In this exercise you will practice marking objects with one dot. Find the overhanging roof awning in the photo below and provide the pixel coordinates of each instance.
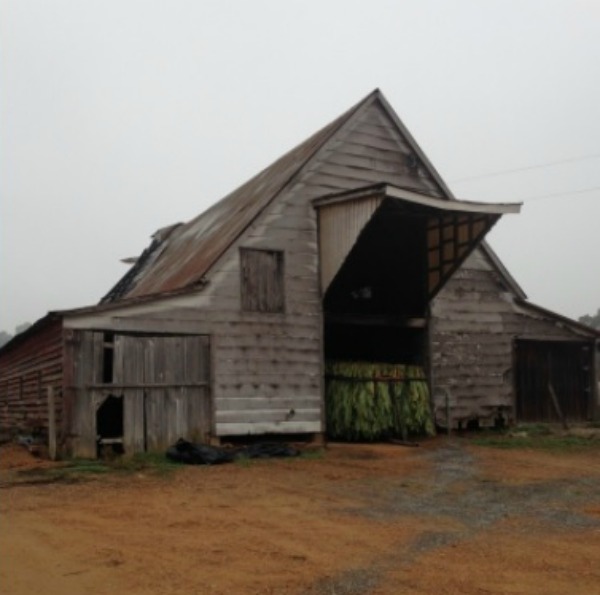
(451, 229)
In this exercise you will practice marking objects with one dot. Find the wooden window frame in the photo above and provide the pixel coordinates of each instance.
(259, 300)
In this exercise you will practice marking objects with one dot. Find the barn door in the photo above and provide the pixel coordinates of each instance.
(163, 382)
(564, 365)
(86, 354)
(166, 387)
(128, 375)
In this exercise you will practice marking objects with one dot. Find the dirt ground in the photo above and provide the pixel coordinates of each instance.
(447, 517)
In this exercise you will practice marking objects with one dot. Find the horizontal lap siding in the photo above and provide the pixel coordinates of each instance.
(267, 370)
(26, 372)
(267, 366)
(473, 326)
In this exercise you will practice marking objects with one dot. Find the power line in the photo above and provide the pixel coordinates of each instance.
(554, 194)
(526, 168)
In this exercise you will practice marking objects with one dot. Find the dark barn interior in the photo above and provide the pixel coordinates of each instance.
(549, 370)
(375, 308)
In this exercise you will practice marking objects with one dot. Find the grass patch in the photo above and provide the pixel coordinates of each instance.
(312, 454)
(555, 443)
(533, 429)
(243, 461)
(81, 469)
(155, 462)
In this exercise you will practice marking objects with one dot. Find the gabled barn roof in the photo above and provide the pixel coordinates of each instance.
(181, 255)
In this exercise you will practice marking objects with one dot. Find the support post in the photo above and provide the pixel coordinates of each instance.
(448, 417)
(51, 424)
(557, 408)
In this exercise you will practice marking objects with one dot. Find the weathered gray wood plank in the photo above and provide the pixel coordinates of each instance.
(268, 415)
(290, 427)
(268, 403)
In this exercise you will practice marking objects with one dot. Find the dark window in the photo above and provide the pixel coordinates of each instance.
(108, 351)
(262, 280)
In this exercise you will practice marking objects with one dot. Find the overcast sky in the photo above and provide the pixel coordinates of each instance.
(119, 117)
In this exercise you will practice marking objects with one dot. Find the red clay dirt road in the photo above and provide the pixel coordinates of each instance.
(448, 517)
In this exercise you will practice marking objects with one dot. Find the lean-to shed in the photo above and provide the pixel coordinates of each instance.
(349, 246)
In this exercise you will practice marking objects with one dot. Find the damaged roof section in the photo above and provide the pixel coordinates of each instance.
(140, 264)
(180, 258)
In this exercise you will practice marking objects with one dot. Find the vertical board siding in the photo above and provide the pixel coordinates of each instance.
(339, 227)
(565, 366)
(262, 274)
(153, 417)
(130, 360)
(26, 372)
(88, 369)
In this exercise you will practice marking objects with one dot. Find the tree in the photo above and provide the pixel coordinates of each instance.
(592, 320)
(4, 338)
(22, 327)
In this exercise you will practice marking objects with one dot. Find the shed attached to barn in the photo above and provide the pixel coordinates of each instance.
(350, 247)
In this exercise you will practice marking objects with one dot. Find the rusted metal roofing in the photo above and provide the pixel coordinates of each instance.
(184, 255)
(179, 256)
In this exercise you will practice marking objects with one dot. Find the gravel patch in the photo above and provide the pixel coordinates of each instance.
(454, 490)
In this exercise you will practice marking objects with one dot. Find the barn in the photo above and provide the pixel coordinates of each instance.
(350, 246)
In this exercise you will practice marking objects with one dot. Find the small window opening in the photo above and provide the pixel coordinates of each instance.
(108, 358)
(109, 427)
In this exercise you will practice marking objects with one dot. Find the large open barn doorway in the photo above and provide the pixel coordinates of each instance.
(385, 253)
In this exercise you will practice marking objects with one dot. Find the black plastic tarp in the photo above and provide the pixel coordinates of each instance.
(203, 454)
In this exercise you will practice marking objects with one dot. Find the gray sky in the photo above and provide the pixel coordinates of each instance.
(122, 116)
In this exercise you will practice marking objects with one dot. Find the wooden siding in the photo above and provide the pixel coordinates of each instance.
(562, 365)
(26, 372)
(163, 381)
(262, 274)
(368, 152)
(267, 367)
(474, 323)
(339, 227)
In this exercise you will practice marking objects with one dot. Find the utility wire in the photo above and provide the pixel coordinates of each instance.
(526, 168)
(554, 194)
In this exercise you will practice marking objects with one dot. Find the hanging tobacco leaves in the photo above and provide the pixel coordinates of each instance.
(371, 401)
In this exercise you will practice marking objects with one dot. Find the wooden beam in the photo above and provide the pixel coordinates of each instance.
(51, 424)
(353, 319)
(557, 408)
(142, 385)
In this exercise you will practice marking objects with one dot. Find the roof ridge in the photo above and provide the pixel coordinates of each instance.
(335, 124)
(182, 257)
(242, 214)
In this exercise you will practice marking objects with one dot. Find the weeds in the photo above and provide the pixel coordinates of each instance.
(312, 454)
(76, 470)
(544, 441)
(155, 462)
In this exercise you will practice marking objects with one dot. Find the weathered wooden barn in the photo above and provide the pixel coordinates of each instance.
(349, 246)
